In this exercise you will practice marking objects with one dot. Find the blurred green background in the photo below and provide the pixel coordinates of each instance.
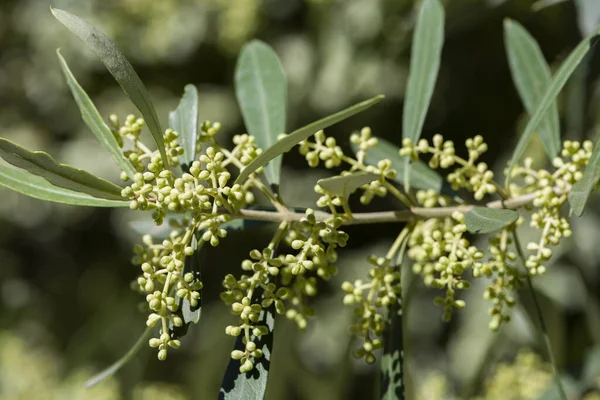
(66, 308)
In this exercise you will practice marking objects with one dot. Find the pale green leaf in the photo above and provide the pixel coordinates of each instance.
(581, 190)
(531, 75)
(39, 188)
(289, 141)
(94, 121)
(344, 186)
(426, 53)
(62, 175)
(184, 120)
(110, 371)
(260, 88)
(120, 68)
(487, 220)
(558, 81)
(421, 175)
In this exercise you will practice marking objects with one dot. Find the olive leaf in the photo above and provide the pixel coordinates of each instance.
(581, 190)
(120, 68)
(531, 75)
(260, 88)
(287, 142)
(558, 81)
(250, 385)
(426, 53)
(94, 121)
(62, 175)
(487, 220)
(39, 188)
(184, 120)
(392, 379)
(111, 370)
(188, 313)
(344, 186)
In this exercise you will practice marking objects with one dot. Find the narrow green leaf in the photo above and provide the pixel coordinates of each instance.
(94, 121)
(260, 88)
(558, 81)
(421, 175)
(39, 188)
(188, 313)
(251, 385)
(344, 186)
(581, 190)
(487, 220)
(184, 120)
(289, 141)
(120, 68)
(425, 57)
(392, 384)
(110, 371)
(531, 75)
(65, 176)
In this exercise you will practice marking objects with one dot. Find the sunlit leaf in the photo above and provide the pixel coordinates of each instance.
(581, 190)
(531, 75)
(425, 57)
(39, 188)
(251, 385)
(120, 68)
(487, 220)
(344, 186)
(184, 120)
(260, 88)
(421, 175)
(289, 141)
(94, 121)
(558, 81)
(110, 371)
(62, 175)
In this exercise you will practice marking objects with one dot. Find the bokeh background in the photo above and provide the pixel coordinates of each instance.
(66, 308)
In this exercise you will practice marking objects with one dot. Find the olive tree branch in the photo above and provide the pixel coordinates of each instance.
(383, 216)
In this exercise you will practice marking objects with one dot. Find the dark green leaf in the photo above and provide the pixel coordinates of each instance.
(186, 311)
(289, 141)
(532, 76)
(94, 121)
(184, 120)
(580, 192)
(62, 175)
(392, 384)
(344, 186)
(251, 385)
(260, 88)
(110, 371)
(421, 176)
(120, 68)
(425, 57)
(591, 368)
(39, 188)
(558, 81)
(487, 220)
